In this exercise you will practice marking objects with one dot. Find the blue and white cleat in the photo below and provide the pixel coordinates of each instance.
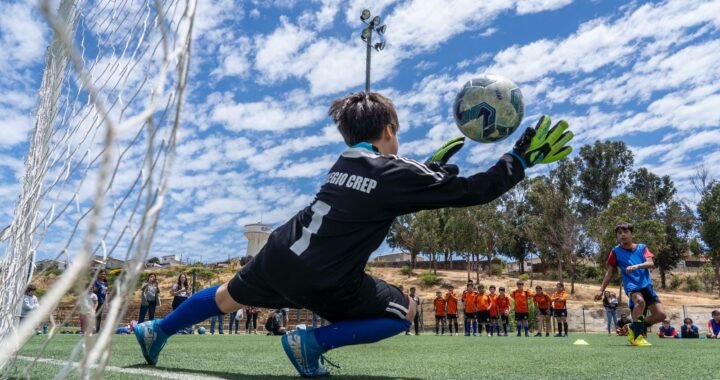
(304, 352)
(152, 340)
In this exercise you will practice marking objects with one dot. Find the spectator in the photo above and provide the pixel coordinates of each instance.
(317, 320)
(273, 325)
(521, 297)
(180, 291)
(29, 302)
(286, 316)
(149, 298)
(610, 303)
(503, 310)
(101, 290)
(439, 305)
(714, 325)
(542, 302)
(219, 319)
(560, 309)
(416, 321)
(251, 321)
(667, 330)
(87, 309)
(493, 311)
(689, 330)
(468, 299)
(451, 300)
(234, 319)
(622, 323)
(483, 304)
(125, 329)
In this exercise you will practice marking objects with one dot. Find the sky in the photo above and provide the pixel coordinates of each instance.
(255, 141)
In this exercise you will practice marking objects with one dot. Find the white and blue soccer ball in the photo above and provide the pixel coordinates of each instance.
(201, 330)
(489, 108)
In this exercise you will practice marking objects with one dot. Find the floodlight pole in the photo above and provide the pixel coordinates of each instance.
(367, 60)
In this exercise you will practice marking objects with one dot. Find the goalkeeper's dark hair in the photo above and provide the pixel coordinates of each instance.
(363, 116)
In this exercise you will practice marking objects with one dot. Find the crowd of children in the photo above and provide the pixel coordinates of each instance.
(491, 310)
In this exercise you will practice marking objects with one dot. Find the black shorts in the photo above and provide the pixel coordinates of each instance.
(470, 315)
(483, 316)
(544, 311)
(439, 318)
(648, 294)
(560, 313)
(451, 316)
(371, 298)
(521, 316)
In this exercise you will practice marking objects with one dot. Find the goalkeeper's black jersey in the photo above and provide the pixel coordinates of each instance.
(329, 242)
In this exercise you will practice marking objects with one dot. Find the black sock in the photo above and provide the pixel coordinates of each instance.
(566, 327)
(560, 326)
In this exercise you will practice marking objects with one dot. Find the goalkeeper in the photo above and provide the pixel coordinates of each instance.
(316, 260)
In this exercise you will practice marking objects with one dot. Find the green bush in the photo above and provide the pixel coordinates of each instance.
(496, 269)
(692, 284)
(675, 282)
(524, 277)
(406, 270)
(429, 279)
(53, 270)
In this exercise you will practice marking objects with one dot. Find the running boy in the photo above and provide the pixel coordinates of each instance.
(317, 259)
(634, 261)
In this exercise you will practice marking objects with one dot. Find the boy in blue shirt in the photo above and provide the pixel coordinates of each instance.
(688, 330)
(714, 325)
(635, 262)
(317, 259)
(667, 330)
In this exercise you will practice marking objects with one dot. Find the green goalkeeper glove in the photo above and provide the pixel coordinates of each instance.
(447, 150)
(438, 161)
(542, 144)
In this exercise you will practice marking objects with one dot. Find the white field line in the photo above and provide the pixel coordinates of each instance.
(130, 371)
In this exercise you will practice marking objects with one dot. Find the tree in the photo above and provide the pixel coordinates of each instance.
(403, 234)
(651, 188)
(461, 234)
(153, 260)
(709, 211)
(601, 169)
(678, 222)
(516, 242)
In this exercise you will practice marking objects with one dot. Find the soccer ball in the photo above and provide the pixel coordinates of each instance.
(488, 109)
(201, 330)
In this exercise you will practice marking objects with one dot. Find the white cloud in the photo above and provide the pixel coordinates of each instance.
(270, 114)
(276, 53)
(534, 6)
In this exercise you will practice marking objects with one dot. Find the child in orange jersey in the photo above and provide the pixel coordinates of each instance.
(440, 306)
(493, 311)
(483, 304)
(468, 300)
(542, 302)
(560, 306)
(502, 304)
(520, 297)
(451, 300)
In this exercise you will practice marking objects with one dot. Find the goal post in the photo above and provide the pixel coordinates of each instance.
(97, 167)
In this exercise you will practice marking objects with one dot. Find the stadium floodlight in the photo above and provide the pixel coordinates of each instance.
(366, 36)
(365, 15)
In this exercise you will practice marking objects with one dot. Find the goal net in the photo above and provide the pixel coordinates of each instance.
(96, 170)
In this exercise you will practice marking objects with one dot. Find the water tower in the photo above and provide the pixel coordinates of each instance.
(257, 235)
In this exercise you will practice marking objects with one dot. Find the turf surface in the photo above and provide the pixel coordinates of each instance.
(410, 357)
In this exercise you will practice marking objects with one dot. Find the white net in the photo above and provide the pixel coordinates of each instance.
(97, 168)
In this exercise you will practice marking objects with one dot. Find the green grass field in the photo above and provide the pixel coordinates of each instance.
(405, 357)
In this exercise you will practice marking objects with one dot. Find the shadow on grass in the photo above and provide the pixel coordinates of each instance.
(237, 375)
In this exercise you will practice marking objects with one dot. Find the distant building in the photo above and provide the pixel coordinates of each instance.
(399, 257)
(170, 260)
(530, 265)
(257, 235)
(109, 263)
(49, 263)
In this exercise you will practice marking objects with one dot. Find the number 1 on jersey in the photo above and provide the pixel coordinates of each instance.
(319, 210)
